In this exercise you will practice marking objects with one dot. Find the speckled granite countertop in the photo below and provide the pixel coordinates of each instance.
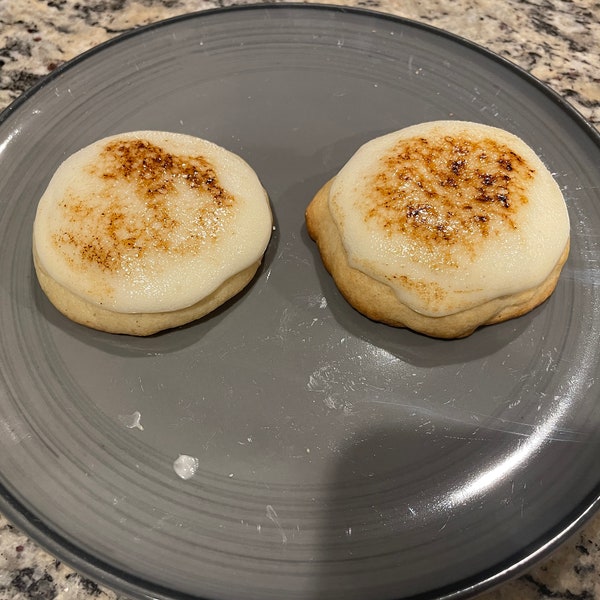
(558, 41)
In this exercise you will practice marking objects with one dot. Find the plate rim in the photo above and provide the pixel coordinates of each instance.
(557, 98)
(123, 582)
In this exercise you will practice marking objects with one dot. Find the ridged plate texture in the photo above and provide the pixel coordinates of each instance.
(336, 457)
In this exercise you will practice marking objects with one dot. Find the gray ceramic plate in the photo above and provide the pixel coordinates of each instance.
(335, 457)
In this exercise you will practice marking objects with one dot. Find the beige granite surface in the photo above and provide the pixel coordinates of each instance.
(558, 41)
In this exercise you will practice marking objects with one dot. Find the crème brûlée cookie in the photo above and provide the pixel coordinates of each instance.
(148, 230)
(442, 227)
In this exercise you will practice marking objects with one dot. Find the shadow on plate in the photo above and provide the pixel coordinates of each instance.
(398, 520)
(291, 202)
(407, 345)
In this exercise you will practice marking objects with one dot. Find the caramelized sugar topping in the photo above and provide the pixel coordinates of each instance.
(448, 191)
(110, 227)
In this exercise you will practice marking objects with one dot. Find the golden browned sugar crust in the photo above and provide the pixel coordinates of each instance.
(447, 192)
(145, 231)
(107, 237)
(441, 228)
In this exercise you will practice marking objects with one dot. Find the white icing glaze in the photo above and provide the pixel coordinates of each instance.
(132, 421)
(185, 466)
(154, 227)
(437, 259)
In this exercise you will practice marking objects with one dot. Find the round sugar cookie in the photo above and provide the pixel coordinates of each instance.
(442, 227)
(148, 230)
